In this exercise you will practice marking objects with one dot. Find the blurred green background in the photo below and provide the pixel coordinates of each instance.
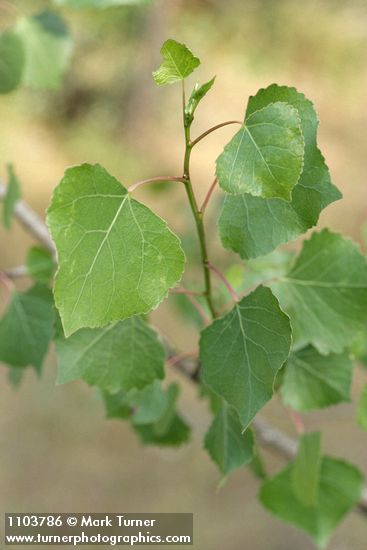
(58, 453)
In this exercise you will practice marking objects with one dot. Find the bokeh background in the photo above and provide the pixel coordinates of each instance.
(57, 451)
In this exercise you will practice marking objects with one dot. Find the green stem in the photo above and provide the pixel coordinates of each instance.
(198, 216)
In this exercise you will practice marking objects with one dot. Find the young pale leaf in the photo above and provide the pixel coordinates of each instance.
(178, 63)
(99, 3)
(116, 258)
(11, 197)
(242, 352)
(196, 96)
(340, 488)
(325, 292)
(265, 157)
(48, 47)
(306, 469)
(123, 355)
(362, 409)
(27, 328)
(11, 61)
(40, 264)
(313, 381)
(225, 441)
(254, 226)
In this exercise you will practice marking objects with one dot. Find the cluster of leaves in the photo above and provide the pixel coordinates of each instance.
(117, 261)
(37, 51)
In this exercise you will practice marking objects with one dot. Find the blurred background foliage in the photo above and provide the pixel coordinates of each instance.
(109, 111)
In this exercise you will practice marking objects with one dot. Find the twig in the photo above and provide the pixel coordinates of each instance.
(208, 195)
(5, 5)
(154, 180)
(224, 281)
(7, 282)
(17, 272)
(30, 221)
(174, 359)
(199, 308)
(203, 135)
(297, 421)
(267, 435)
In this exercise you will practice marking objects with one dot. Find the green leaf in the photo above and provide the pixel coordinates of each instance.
(226, 443)
(313, 381)
(359, 347)
(362, 409)
(169, 428)
(117, 405)
(196, 96)
(306, 469)
(145, 406)
(325, 292)
(178, 63)
(151, 403)
(246, 276)
(215, 402)
(40, 264)
(257, 465)
(253, 226)
(289, 95)
(27, 328)
(99, 3)
(242, 352)
(265, 157)
(177, 433)
(11, 197)
(15, 376)
(187, 310)
(124, 355)
(116, 258)
(339, 490)
(48, 49)
(11, 61)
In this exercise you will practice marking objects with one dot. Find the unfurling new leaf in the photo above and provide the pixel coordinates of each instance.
(196, 96)
(178, 63)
